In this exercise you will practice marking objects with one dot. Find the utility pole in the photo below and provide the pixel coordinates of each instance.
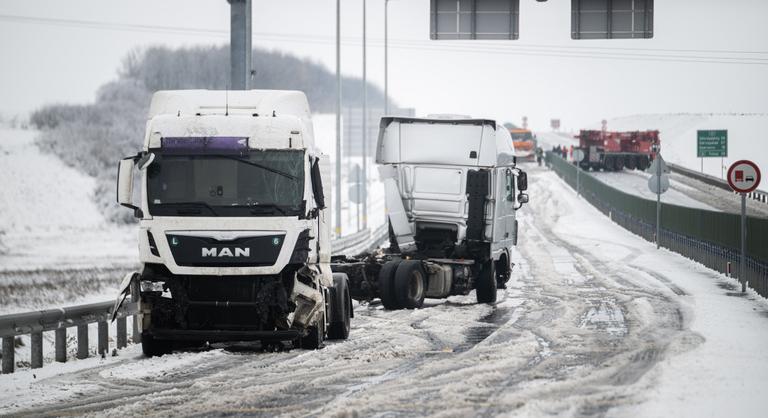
(338, 118)
(240, 50)
(386, 57)
(365, 131)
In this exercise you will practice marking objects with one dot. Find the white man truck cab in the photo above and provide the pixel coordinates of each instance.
(234, 238)
(452, 188)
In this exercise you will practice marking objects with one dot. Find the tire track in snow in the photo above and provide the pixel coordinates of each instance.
(609, 282)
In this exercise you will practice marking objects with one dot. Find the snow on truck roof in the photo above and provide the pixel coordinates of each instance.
(270, 117)
(440, 140)
(233, 102)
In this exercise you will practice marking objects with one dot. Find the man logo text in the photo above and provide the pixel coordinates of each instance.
(226, 252)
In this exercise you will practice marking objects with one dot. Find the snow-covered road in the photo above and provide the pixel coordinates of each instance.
(636, 183)
(595, 322)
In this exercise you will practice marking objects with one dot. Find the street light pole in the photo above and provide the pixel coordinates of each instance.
(386, 58)
(338, 118)
(240, 44)
(364, 197)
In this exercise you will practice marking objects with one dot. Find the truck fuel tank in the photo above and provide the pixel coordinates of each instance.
(440, 279)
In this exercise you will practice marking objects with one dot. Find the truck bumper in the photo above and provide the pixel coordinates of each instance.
(223, 335)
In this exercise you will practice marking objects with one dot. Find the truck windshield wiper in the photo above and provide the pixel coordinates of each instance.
(263, 167)
(191, 204)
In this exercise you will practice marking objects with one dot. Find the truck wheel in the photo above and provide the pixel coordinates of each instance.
(503, 273)
(313, 340)
(642, 163)
(410, 284)
(342, 308)
(608, 164)
(485, 285)
(155, 348)
(387, 285)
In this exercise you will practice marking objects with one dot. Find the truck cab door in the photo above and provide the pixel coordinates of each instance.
(505, 209)
(509, 197)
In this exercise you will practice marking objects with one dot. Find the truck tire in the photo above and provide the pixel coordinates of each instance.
(485, 285)
(155, 348)
(608, 164)
(387, 285)
(410, 284)
(503, 273)
(642, 163)
(342, 308)
(632, 162)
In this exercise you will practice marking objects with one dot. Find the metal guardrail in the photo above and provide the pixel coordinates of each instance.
(706, 240)
(58, 320)
(362, 241)
(758, 195)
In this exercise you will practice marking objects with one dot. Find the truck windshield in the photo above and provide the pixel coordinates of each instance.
(256, 183)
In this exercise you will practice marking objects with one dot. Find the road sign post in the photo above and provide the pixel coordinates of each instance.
(658, 183)
(711, 143)
(743, 177)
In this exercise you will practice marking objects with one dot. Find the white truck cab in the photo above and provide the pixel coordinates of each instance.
(234, 236)
(452, 188)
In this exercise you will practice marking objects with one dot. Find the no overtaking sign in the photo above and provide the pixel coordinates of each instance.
(744, 176)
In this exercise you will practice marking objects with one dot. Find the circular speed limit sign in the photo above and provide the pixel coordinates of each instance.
(743, 176)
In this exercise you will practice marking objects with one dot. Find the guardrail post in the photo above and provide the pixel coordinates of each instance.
(8, 354)
(122, 337)
(61, 345)
(36, 343)
(103, 342)
(82, 341)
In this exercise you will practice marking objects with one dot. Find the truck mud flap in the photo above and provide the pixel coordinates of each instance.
(477, 196)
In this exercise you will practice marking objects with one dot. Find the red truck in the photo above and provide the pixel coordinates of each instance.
(613, 151)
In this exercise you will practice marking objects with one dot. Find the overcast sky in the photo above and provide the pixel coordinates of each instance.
(538, 76)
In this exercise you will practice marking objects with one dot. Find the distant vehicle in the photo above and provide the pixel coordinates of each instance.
(614, 151)
(452, 188)
(234, 238)
(524, 142)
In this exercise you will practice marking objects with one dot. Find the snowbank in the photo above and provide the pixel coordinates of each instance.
(53, 231)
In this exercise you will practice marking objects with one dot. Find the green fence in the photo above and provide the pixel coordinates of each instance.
(712, 238)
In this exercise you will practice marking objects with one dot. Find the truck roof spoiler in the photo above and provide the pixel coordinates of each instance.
(386, 120)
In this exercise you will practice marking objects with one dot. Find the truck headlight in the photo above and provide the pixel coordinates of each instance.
(148, 286)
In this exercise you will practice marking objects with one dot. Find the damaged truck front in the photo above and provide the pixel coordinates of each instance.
(233, 236)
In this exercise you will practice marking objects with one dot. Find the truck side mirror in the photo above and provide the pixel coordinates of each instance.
(522, 181)
(125, 182)
(317, 185)
(522, 198)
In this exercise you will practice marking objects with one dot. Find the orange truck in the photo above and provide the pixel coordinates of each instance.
(524, 142)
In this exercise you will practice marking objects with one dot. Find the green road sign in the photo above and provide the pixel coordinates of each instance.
(712, 143)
